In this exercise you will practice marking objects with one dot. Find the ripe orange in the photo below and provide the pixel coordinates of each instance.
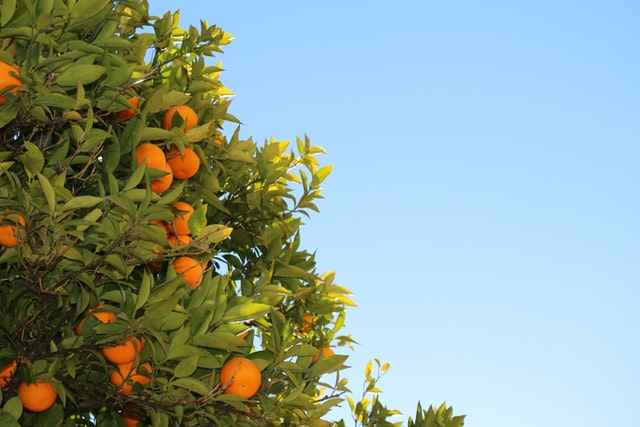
(189, 117)
(181, 222)
(240, 377)
(7, 80)
(308, 321)
(190, 270)
(177, 240)
(130, 417)
(130, 420)
(8, 236)
(161, 185)
(124, 376)
(184, 165)
(139, 342)
(128, 114)
(322, 353)
(37, 397)
(151, 155)
(6, 373)
(121, 354)
(101, 316)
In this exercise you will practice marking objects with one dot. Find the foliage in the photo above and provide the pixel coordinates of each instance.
(436, 417)
(90, 239)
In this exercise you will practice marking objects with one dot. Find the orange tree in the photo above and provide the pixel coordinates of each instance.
(151, 267)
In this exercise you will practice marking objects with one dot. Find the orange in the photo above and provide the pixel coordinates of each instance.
(37, 397)
(190, 270)
(121, 354)
(6, 373)
(177, 240)
(322, 353)
(128, 114)
(308, 321)
(240, 377)
(101, 316)
(8, 236)
(7, 80)
(161, 185)
(189, 117)
(184, 165)
(151, 155)
(181, 223)
(130, 421)
(130, 416)
(124, 376)
(219, 141)
(139, 342)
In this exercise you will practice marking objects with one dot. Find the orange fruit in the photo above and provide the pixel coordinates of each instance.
(240, 377)
(101, 316)
(124, 376)
(121, 354)
(177, 240)
(37, 397)
(189, 117)
(139, 342)
(6, 373)
(322, 353)
(308, 321)
(181, 222)
(219, 141)
(130, 416)
(190, 270)
(151, 155)
(128, 114)
(184, 165)
(7, 80)
(8, 236)
(130, 421)
(161, 185)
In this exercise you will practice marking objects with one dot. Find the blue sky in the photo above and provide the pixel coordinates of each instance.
(484, 206)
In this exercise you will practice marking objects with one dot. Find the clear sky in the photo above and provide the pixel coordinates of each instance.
(484, 206)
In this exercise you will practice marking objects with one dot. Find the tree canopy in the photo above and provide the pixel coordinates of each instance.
(152, 270)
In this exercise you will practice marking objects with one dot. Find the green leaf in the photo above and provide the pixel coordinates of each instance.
(48, 191)
(186, 367)
(56, 100)
(200, 133)
(13, 407)
(155, 134)
(192, 385)
(82, 202)
(32, 159)
(8, 420)
(7, 114)
(145, 290)
(135, 179)
(215, 233)
(220, 340)
(85, 9)
(164, 99)
(7, 10)
(80, 73)
(327, 365)
(112, 157)
(246, 311)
